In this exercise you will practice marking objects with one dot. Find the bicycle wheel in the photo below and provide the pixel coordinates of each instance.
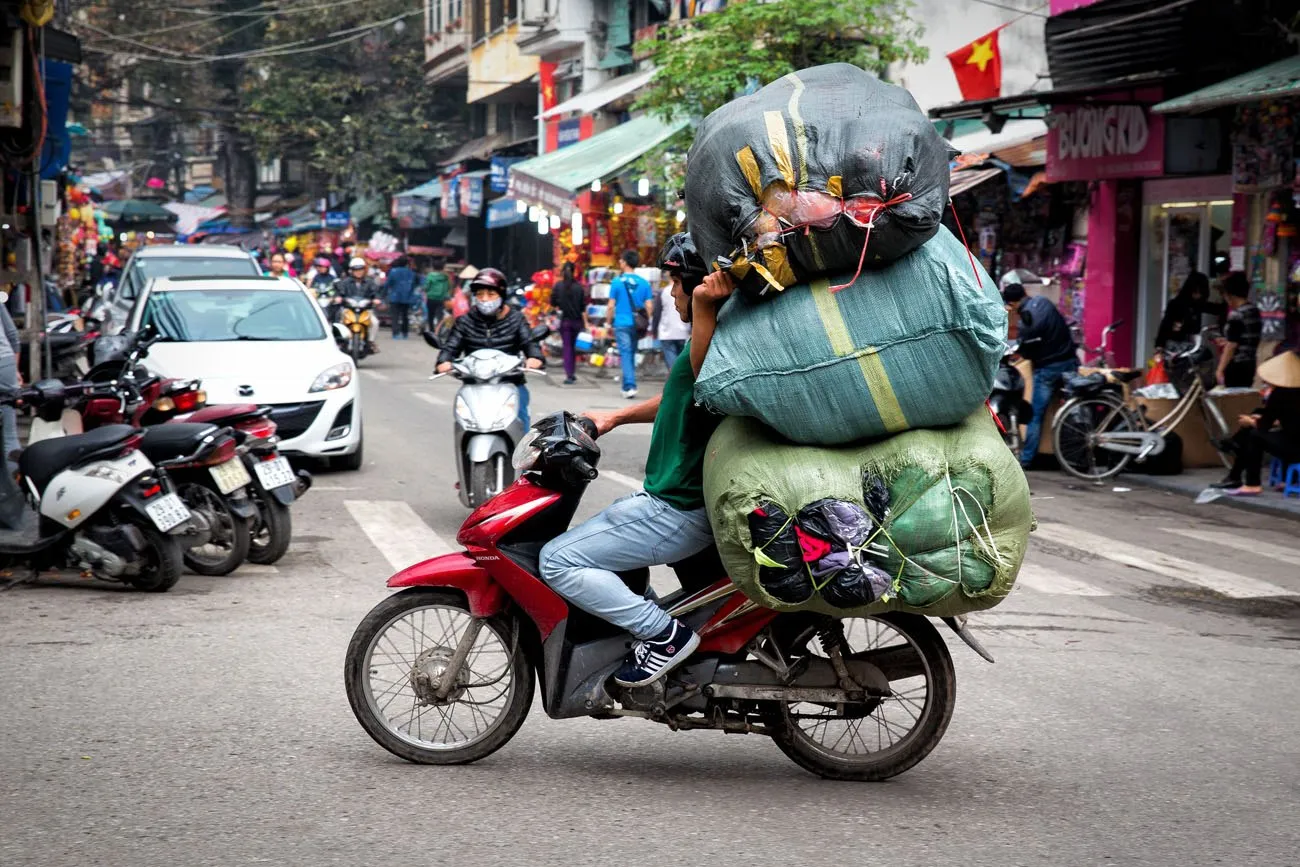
(1074, 436)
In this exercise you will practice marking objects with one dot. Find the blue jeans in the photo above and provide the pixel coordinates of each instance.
(1047, 381)
(625, 339)
(671, 349)
(523, 405)
(637, 531)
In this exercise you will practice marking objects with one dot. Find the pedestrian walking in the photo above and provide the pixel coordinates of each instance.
(570, 297)
(669, 328)
(402, 295)
(437, 288)
(629, 310)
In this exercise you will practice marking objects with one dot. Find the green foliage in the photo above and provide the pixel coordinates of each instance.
(361, 112)
(705, 62)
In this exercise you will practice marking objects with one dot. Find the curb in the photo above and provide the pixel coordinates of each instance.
(1260, 506)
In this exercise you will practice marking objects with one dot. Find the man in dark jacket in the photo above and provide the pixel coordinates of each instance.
(1046, 342)
(492, 324)
(357, 284)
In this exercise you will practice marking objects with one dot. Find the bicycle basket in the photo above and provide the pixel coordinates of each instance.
(1186, 367)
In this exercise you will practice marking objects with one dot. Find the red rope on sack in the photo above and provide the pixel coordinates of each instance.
(969, 254)
(862, 258)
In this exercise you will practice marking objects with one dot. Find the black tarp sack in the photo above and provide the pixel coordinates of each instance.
(824, 171)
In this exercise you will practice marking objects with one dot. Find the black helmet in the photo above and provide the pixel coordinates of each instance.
(680, 257)
(489, 278)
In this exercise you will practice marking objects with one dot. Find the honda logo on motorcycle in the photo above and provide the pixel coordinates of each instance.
(245, 391)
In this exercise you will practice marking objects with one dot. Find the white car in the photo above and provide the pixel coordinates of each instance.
(173, 260)
(258, 340)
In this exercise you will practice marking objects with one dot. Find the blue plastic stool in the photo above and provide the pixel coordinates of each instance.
(1276, 473)
(1292, 481)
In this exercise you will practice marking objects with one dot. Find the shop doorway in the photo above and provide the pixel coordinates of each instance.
(1179, 237)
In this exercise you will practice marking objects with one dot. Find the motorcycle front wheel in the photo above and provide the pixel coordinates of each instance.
(160, 562)
(880, 737)
(397, 658)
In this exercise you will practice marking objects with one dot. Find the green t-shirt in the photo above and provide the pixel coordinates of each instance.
(675, 466)
(437, 286)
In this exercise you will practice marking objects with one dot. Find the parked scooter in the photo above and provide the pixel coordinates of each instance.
(488, 426)
(100, 506)
(1008, 399)
(478, 629)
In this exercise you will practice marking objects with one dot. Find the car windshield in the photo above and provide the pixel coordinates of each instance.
(148, 268)
(215, 315)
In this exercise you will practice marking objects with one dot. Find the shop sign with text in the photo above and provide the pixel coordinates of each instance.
(1098, 142)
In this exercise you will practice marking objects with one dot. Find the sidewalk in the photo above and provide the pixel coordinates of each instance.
(1192, 482)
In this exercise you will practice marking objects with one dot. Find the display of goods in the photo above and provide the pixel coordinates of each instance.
(913, 345)
(933, 522)
(821, 172)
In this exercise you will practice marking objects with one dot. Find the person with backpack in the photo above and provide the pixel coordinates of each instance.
(629, 310)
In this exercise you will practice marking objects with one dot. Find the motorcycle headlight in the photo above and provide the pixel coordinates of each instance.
(527, 452)
(338, 376)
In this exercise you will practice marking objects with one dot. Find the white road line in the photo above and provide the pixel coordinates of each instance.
(625, 481)
(429, 398)
(1219, 580)
(257, 569)
(1281, 553)
(399, 534)
(333, 488)
(1041, 579)
(374, 374)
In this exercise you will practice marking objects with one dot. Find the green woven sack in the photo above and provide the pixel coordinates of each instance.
(955, 534)
(913, 345)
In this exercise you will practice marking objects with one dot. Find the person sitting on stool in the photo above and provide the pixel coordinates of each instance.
(1275, 428)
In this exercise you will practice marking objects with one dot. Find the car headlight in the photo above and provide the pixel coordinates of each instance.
(338, 376)
(527, 452)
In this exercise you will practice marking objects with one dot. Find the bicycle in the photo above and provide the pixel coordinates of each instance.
(1099, 430)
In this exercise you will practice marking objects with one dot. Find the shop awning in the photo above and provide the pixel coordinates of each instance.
(550, 180)
(1277, 80)
(1013, 134)
(968, 179)
(477, 149)
(430, 190)
(601, 95)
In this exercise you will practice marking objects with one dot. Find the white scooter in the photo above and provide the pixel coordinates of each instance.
(101, 506)
(487, 426)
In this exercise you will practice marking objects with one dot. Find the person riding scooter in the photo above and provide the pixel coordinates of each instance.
(492, 324)
(666, 522)
(357, 284)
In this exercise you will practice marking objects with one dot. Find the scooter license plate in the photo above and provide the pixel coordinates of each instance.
(230, 476)
(274, 473)
(168, 512)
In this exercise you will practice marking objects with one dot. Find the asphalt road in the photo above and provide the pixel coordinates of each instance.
(1142, 709)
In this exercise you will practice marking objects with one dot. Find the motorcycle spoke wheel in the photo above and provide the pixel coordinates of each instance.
(396, 659)
(884, 736)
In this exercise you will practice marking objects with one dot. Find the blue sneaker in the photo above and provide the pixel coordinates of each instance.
(654, 657)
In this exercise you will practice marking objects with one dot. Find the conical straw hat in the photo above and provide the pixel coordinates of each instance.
(1282, 371)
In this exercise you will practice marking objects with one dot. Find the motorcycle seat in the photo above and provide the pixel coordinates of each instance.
(166, 442)
(42, 461)
(227, 412)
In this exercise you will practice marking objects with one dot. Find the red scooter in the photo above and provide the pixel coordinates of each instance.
(443, 671)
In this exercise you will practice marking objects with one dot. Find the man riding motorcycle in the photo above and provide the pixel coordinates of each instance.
(492, 324)
(666, 522)
(357, 284)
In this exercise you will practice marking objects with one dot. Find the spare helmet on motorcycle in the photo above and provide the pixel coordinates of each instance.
(357, 264)
(680, 257)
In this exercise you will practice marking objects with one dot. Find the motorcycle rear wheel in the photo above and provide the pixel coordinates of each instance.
(813, 735)
(271, 532)
(228, 549)
(389, 652)
(163, 561)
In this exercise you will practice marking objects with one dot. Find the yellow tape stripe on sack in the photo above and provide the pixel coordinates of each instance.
(835, 186)
(800, 134)
(779, 142)
(779, 264)
(873, 369)
(749, 168)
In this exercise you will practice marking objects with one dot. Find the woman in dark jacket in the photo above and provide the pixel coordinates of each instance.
(570, 298)
(1182, 320)
(402, 295)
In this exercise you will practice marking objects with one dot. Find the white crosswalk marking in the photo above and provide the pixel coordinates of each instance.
(256, 569)
(1281, 553)
(1219, 580)
(430, 399)
(399, 534)
(374, 374)
(1041, 579)
(625, 481)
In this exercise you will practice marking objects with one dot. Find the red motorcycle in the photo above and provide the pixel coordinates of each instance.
(443, 671)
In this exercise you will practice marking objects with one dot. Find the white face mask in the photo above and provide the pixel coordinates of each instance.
(487, 308)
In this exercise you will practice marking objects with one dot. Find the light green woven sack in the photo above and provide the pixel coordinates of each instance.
(958, 524)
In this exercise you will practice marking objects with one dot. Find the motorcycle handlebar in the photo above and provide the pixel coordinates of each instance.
(583, 469)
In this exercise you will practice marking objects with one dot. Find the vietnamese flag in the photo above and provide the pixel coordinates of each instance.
(978, 67)
(546, 72)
